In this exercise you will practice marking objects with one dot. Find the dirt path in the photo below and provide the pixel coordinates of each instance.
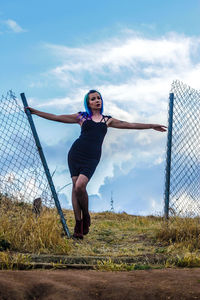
(82, 284)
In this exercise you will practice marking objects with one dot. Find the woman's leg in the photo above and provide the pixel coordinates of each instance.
(82, 197)
(78, 229)
(75, 203)
(81, 193)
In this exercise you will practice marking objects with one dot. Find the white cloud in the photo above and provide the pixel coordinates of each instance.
(14, 26)
(134, 74)
(133, 55)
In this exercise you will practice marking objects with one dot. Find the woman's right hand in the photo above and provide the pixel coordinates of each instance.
(32, 110)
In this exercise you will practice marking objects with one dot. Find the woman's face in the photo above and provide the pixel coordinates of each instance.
(94, 101)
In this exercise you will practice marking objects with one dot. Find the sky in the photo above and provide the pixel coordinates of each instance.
(131, 51)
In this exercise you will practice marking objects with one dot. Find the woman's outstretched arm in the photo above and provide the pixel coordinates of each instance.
(73, 118)
(115, 123)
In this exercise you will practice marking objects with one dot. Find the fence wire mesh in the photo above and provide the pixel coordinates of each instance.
(184, 195)
(22, 176)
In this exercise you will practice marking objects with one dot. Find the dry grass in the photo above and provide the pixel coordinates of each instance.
(111, 234)
(109, 265)
(13, 260)
(117, 235)
(27, 233)
(182, 233)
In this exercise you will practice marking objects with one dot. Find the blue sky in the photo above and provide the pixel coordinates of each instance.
(55, 51)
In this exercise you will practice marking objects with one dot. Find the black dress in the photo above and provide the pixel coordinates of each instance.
(85, 153)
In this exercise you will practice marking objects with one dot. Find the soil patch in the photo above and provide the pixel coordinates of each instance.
(90, 284)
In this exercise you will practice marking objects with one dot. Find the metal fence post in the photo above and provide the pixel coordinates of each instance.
(168, 158)
(46, 169)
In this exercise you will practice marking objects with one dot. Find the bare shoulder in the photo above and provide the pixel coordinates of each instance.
(113, 122)
(109, 121)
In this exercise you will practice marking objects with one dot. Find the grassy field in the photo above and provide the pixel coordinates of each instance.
(121, 241)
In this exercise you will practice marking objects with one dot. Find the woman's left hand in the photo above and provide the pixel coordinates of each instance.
(159, 127)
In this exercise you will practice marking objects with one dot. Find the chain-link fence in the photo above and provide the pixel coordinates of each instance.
(182, 185)
(24, 174)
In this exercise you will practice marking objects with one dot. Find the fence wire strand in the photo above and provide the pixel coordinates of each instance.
(184, 198)
(22, 175)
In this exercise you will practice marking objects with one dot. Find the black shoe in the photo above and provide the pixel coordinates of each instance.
(78, 229)
(86, 224)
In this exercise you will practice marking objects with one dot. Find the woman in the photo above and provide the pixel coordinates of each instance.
(85, 153)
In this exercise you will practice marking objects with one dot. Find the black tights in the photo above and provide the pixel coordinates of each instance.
(79, 202)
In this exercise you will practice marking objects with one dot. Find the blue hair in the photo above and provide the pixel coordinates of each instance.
(86, 100)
